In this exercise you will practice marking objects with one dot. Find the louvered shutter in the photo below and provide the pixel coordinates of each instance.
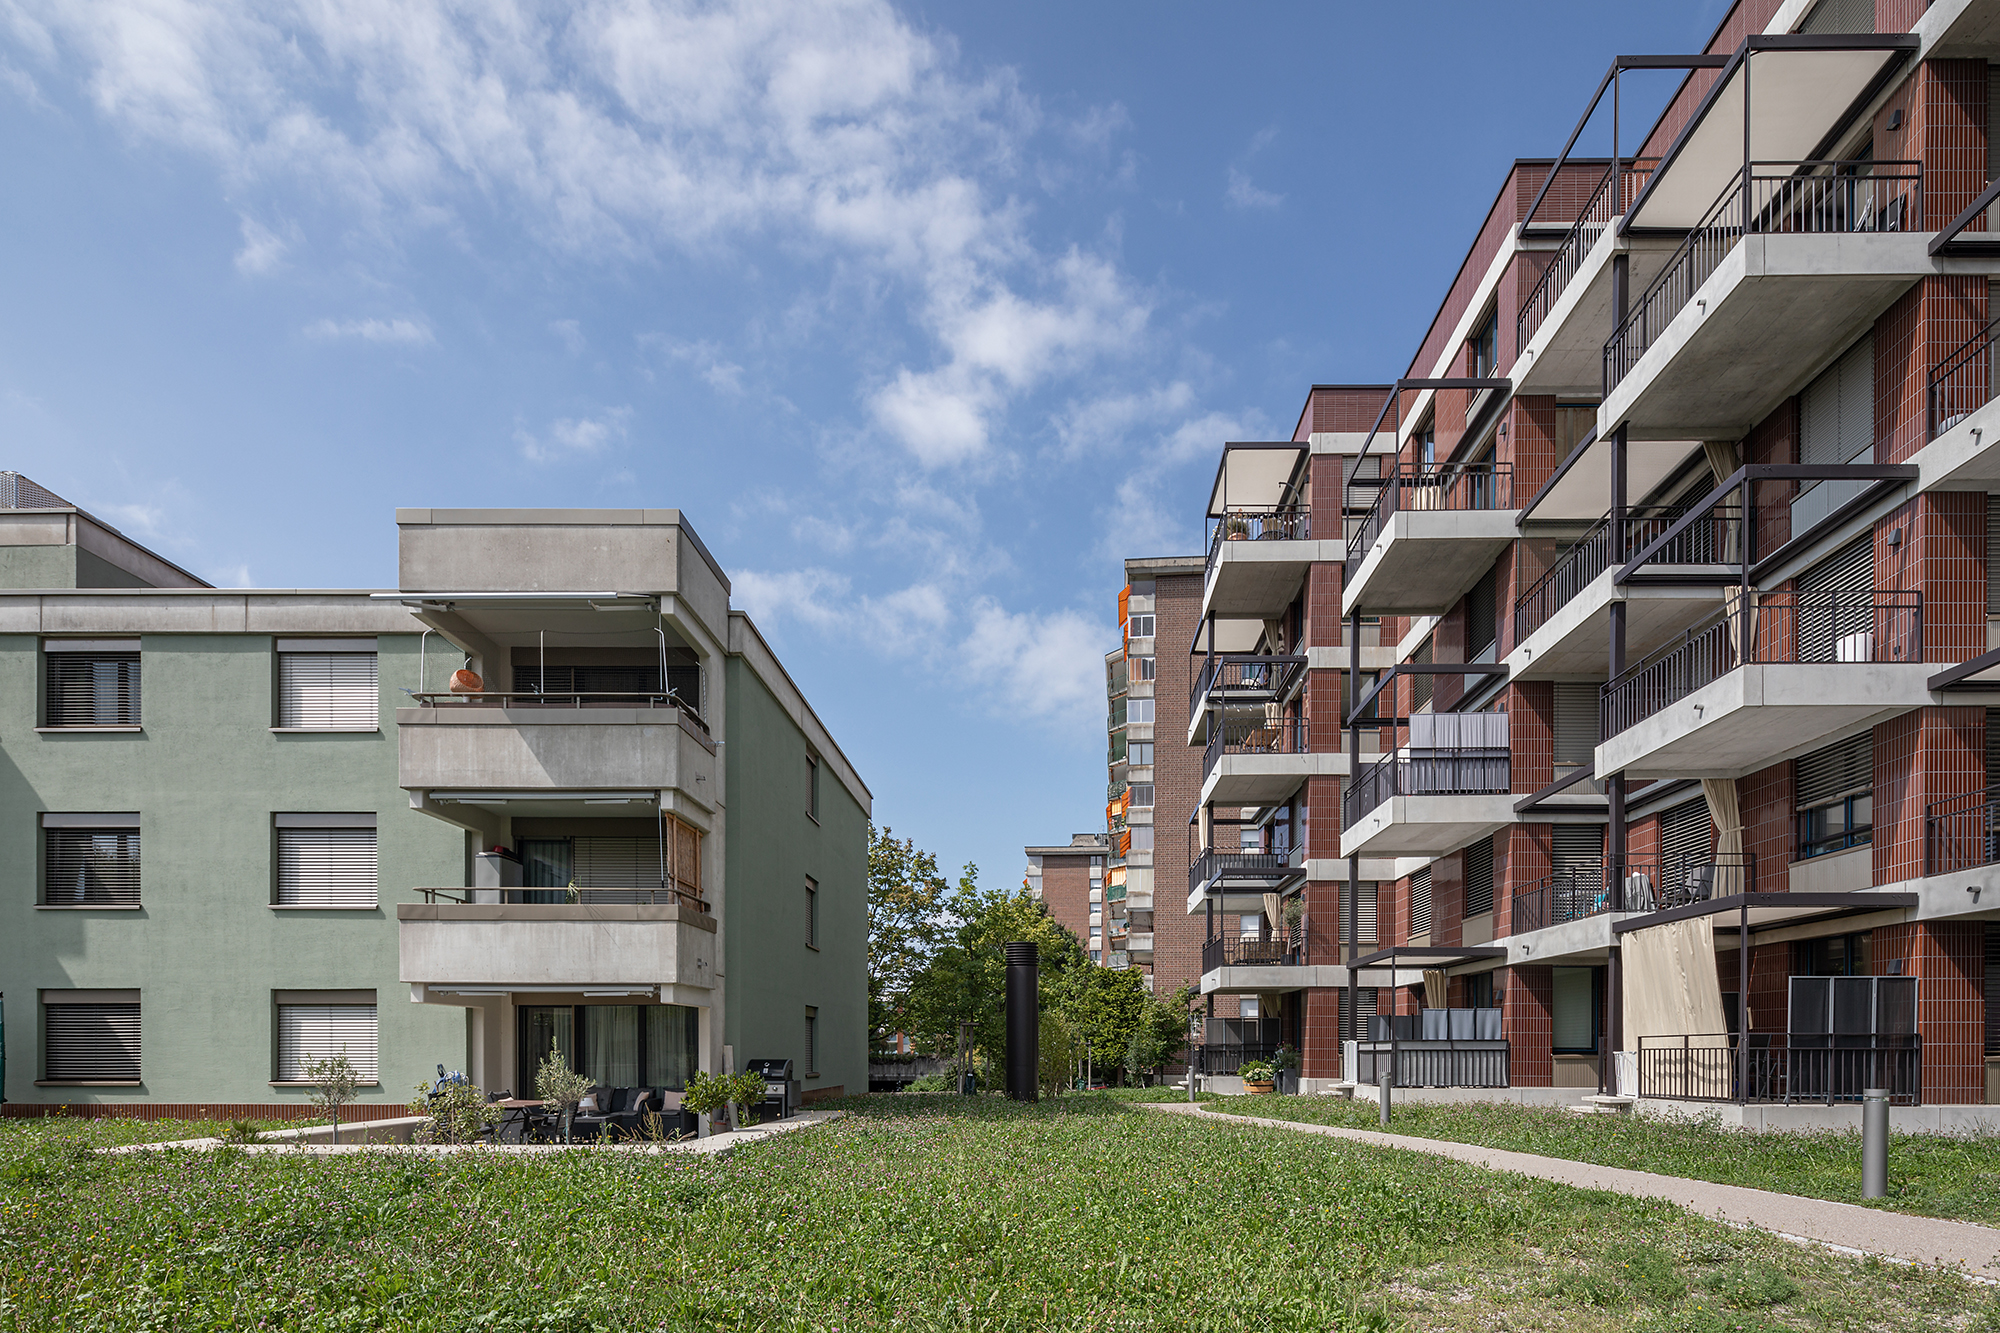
(1577, 850)
(1573, 1005)
(1992, 753)
(1684, 838)
(1479, 877)
(90, 866)
(1833, 601)
(1993, 546)
(1480, 618)
(326, 867)
(1575, 722)
(1992, 988)
(1365, 1001)
(92, 689)
(1366, 901)
(329, 690)
(309, 1032)
(1837, 410)
(90, 1043)
(1840, 16)
(1837, 770)
(1420, 902)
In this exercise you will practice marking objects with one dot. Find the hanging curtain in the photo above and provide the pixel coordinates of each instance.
(1722, 461)
(1743, 626)
(1434, 988)
(1274, 914)
(1671, 992)
(1726, 811)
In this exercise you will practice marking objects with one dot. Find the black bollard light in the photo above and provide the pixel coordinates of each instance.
(1024, 1022)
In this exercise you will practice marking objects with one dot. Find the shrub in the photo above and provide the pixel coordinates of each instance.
(334, 1080)
(933, 1083)
(458, 1111)
(242, 1131)
(560, 1087)
(1257, 1071)
(708, 1094)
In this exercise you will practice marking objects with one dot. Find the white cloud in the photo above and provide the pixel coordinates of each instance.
(571, 437)
(139, 520)
(410, 332)
(721, 375)
(1242, 193)
(263, 250)
(1104, 423)
(1040, 666)
(1139, 522)
(571, 334)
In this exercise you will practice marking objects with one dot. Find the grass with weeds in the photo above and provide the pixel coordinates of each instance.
(914, 1213)
(1932, 1175)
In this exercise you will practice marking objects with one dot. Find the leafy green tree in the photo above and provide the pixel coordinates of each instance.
(906, 898)
(1161, 1032)
(1102, 1007)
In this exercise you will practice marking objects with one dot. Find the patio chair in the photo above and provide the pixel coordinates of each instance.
(605, 1121)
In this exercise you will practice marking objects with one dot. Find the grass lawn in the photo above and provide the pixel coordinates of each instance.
(916, 1213)
(1932, 1175)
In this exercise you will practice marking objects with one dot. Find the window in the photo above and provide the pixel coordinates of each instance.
(1142, 838)
(1420, 903)
(1484, 346)
(1139, 754)
(90, 1036)
(90, 860)
(1574, 1016)
(1425, 438)
(812, 913)
(812, 787)
(328, 685)
(92, 682)
(1365, 901)
(1365, 996)
(1367, 681)
(1142, 794)
(1835, 788)
(1139, 627)
(320, 1025)
(618, 1045)
(1837, 410)
(1479, 991)
(812, 1043)
(1479, 877)
(1834, 956)
(1139, 711)
(1247, 1007)
(1097, 955)
(326, 860)
(1481, 620)
(1420, 686)
(1142, 668)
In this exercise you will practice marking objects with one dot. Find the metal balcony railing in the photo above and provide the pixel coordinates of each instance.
(1244, 679)
(1287, 952)
(1714, 540)
(1780, 1067)
(1605, 204)
(561, 699)
(1814, 197)
(1962, 383)
(1962, 833)
(1253, 735)
(1643, 886)
(570, 896)
(1288, 523)
(1433, 486)
(1879, 626)
(1264, 868)
(1427, 771)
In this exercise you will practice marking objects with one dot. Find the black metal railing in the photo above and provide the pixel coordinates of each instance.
(1244, 678)
(1228, 1057)
(1258, 867)
(560, 699)
(1962, 833)
(1436, 1048)
(569, 896)
(1286, 523)
(1604, 205)
(1287, 952)
(1640, 886)
(1713, 540)
(1962, 383)
(1448, 771)
(1876, 626)
(1711, 1067)
(1433, 486)
(1817, 197)
(1254, 735)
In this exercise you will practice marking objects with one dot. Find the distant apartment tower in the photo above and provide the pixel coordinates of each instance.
(1069, 881)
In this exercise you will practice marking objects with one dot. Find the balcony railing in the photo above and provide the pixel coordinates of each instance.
(1962, 383)
(1283, 523)
(1713, 540)
(1437, 1048)
(570, 896)
(1780, 1068)
(1450, 754)
(1433, 486)
(1244, 679)
(1962, 833)
(1879, 626)
(1784, 198)
(1257, 867)
(1254, 735)
(1228, 1057)
(561, 699)
(1289, 952)
(1605, 204)
(1645, 886)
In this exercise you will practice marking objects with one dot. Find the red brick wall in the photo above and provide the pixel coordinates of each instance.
(1526, 1018)
(1764, 799)
(1942, 554)
(1340, 408)
(1530, 444)
(1531, 708)
(1944, 126)
(1066, 892)
(1921, 757)
(1775, 439)
(1177, 934)
(1925, 326)
(1448, 899)
(1948, 960)
(1521, 858)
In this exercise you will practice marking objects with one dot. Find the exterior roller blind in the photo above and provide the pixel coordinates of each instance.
(1843, 767)
(1821, 618)
(92, 689)
(1850, 569)
(617, 863)
(1575, 722)
(90, 1043)
(1992, 752)
(1684, 834)
(1420, 902)
(308, 1032)
(1992, 988)
(1574, 1028)
(1993, 542)
(1479, 877)
(331, 690)
(90, 867)
(326, 867)
(1577, 850)
(1364, 1000)
(1365, 903)
(1837, 410)
(1480, 618)
(1840, 16)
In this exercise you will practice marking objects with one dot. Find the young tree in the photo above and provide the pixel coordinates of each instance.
(333, 1081)
(906, 897)
(560, 1088)
(1161, 1032)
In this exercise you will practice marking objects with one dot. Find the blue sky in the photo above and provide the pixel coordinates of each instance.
(925, 315)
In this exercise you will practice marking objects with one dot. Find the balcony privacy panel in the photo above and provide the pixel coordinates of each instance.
(310, 1032)
(326, 867)
(90, 1043)
(93, 689)
(1479, 877)
(90, 867)
(330, 690)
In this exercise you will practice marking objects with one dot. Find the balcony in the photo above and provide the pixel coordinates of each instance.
(1645, 886)
(1240, 878)
(1435, 1048)
(1964, 424)
(454, 944)
(1257, 559)
(1260, 760)
(1792, 258)
(554, 743)
(1449, 786)
(1432, 533)
(1239, 681)
(1253, 966)
(1817, 666)
(1781, 1067)
(1962, 833)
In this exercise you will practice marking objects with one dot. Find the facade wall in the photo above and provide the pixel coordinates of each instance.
(1177, 935)
(1066, 892)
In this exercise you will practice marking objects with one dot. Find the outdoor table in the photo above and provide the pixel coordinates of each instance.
(520, 1112)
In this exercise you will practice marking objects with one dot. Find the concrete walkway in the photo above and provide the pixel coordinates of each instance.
(1975, 1250)
(717, 1144)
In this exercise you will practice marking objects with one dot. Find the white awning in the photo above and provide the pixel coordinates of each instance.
(1255, 476)
(1803, 92)
(1583, 493)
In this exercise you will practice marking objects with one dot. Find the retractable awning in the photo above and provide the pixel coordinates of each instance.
(1803, 94)
(1258, 476)
(1580, 491)
(1767, 911)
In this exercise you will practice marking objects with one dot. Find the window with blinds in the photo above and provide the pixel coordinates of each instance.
(1479, 877)
(313, 1032)
(1366, 902)
(1833, 604)
(612, 865)
(1364, 1001)
(1837, 410)
(1840, 16)
(93, 1042)
(1684, 837)
(326, 866)
(328, 685)
(1575, 722)
(1577, 850)
(1420, 686)
(812, 1043)
(95, 865)
(1993, 536)
(1834, 789)
(94, 685)
(1420, 902)
(1574, 1010)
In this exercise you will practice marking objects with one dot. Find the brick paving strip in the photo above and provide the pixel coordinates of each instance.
(722, 1141)
(1936, 1242)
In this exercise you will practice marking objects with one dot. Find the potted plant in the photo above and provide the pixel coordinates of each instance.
(1285, 1068)
(1236, 527)
(1258, 1076)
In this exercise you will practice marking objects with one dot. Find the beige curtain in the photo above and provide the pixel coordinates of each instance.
(1722, 462)
(1434, 988)
(1743, 627)
(1725, 810)
(1671, 992)
(1275, 915)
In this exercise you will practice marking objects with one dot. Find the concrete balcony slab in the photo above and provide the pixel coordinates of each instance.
(1423, 561)
(554, 749)
(1265, 779)
(1429, 826)
(545, 947)
(1261, 578)
(1251, 980)
(1565, 354)
(1575, 642)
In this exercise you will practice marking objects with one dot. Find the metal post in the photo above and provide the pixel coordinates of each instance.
(1194, 1058)
(1351, 909)
(1614, 980)
(1384, 1080)
(1024, 1021)
(1874, 1143)
(1743, 1001)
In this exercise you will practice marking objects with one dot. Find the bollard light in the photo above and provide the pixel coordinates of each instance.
(1874, 1143)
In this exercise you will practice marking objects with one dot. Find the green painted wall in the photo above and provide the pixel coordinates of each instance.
(206, 950)
(773, 846)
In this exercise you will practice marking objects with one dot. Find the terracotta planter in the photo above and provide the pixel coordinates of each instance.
(1256, 1088)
